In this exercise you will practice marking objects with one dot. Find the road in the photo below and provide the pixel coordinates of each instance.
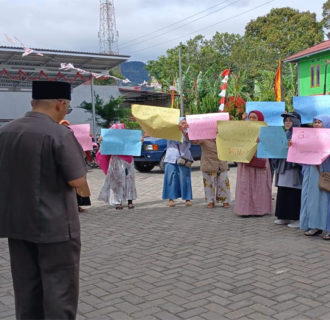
(161, 263)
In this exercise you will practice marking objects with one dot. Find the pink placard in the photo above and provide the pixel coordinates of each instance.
(309, 145)
(204, 126)
(82, 133)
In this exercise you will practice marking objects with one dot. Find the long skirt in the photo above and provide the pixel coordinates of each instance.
(216, 186)
(314, 202)
(177, 182)
(253, 190)
(119, 183)
(288, 203)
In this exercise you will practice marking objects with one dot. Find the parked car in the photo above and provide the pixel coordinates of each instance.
(153, 154)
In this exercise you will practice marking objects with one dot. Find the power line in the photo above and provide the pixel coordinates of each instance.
(210, 26)
(170, 25)
(179, 27)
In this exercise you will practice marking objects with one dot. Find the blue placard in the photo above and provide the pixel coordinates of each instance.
(121, 142)
(272, 143)
(310, 106)
(271, 110)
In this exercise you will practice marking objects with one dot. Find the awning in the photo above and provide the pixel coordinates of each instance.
(17, 72)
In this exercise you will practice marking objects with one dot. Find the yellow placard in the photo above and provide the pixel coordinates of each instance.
(158, 122)
(237, 140)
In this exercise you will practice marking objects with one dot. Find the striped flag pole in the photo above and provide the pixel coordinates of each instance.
(222, 94)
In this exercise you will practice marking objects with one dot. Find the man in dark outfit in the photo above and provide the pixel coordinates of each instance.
(41, 166)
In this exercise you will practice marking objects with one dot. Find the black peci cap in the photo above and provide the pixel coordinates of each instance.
(51, 90)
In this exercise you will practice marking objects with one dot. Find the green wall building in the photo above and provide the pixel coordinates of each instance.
(313, 69)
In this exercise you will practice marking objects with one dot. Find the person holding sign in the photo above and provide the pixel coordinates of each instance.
(177, 176)
(215, 174)
(214, 171)
(119, 182)
(315, 210)
(82, 200)
(253, 195)
(288, 180)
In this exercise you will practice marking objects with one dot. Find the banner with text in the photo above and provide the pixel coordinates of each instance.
(271, 110)
(237, 140)
(309, 145)
(158, 122)
(121, 142)
(204, 126)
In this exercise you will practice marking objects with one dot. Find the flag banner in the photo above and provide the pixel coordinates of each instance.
(237, 140)
(272, 143)
(310, 106)
(271, 110)
(121, 142)
(278, 88)
(309, 145)
(82, 133)
(158, 122)
(204, 126)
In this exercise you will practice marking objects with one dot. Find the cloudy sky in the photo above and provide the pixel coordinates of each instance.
(146, 27)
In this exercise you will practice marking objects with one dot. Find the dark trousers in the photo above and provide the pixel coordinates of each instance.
(46, 279)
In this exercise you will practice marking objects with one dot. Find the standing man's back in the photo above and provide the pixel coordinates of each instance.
(41, 164)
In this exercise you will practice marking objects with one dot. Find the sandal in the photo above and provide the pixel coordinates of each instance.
(130, 206)
(188, 203)
(80, 209)
(326, 236)
(119, 207)
(171, 203)
(312, 232)
(210, 205)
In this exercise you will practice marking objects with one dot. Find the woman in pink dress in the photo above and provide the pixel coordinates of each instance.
(253, 195)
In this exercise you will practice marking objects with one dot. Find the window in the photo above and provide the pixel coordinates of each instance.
(312, 76)
(318, 67)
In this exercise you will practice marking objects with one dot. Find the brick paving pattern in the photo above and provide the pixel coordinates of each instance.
(160, 263)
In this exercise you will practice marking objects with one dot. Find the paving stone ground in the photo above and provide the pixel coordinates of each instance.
(161, 263)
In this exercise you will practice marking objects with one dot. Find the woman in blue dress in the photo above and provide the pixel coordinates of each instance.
(314, 213)
(177, 178)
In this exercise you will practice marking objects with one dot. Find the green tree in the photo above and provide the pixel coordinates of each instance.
(326, 17)
(286, 30)
(107, 112)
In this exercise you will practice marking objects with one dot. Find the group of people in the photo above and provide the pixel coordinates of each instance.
(299, 202)
(42, 163)
(119, 183)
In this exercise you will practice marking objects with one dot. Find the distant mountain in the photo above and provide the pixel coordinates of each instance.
(135, 71)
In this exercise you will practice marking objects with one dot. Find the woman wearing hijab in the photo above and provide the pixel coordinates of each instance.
(119, 183)
(288, 180)
(82, 201)
(315, 211)
(177, 178)
(253, 195)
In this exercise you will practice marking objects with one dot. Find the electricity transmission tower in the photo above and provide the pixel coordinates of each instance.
(108, 34)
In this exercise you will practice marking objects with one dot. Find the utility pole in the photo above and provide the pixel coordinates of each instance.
(93, 109)
(180, 79)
